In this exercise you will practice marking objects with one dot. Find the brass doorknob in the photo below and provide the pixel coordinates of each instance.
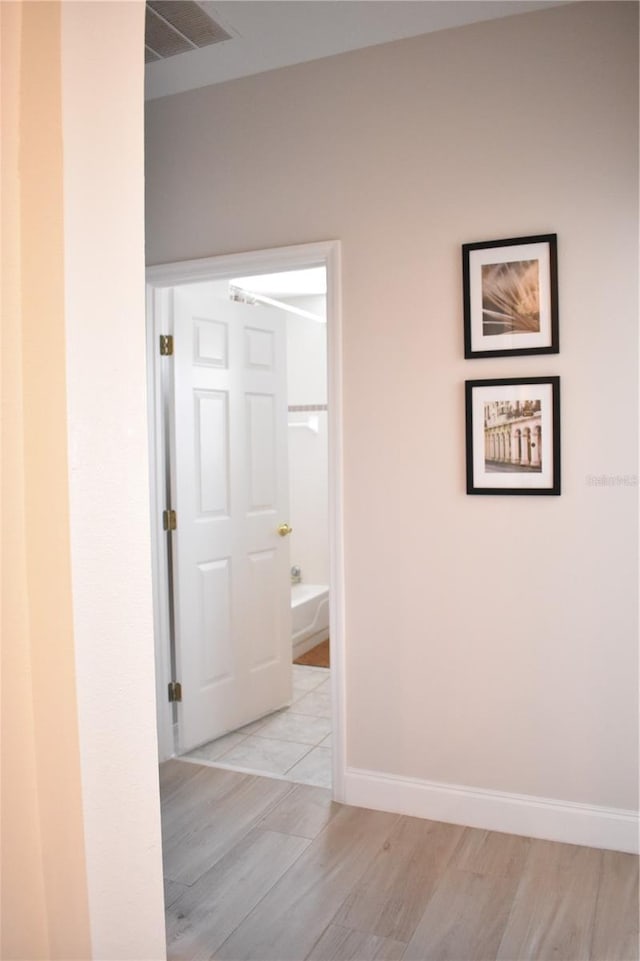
(284, 529)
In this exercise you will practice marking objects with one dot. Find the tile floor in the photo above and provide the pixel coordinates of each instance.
(294, 743)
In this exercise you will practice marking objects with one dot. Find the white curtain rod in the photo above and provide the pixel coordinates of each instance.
(278, 303)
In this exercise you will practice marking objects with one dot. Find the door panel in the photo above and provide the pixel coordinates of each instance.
(215, 599)
(212, 452)
(210, 343)
(232, 590)
(259, 346)
(261, 453)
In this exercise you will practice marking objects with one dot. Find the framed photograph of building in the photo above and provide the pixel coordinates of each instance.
(513, 435)
(510, 290)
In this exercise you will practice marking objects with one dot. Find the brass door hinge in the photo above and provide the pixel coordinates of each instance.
(175, 691)
(169, 520)
(166, 345)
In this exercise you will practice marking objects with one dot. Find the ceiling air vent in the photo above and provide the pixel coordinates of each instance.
(176, 26)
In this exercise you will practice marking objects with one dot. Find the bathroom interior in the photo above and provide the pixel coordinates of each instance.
(294, 743)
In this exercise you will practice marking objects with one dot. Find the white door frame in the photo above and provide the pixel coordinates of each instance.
(327, 254)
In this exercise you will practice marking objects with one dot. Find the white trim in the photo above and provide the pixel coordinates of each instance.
(256, 261)
(336, 519)
(158, 321)
(327, 254)
(536, 817)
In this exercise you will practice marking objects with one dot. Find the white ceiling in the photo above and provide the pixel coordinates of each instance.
(267, 34)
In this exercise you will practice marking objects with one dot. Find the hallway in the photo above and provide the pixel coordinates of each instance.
(265, 870)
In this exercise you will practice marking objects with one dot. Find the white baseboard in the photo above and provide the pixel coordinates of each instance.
(536, 817)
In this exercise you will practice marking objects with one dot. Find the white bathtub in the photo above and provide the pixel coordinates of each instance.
(309, 616)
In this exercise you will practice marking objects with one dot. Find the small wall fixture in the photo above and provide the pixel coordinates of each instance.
(311, 423)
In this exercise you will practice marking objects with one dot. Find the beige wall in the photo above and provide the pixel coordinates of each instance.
(500, 651)
(109, 477)
(24, 926)
(81, 869)
(44, 907)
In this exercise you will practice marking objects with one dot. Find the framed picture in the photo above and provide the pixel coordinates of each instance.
(510, 296)
(513, 435)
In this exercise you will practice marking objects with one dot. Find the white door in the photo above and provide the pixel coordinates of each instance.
(231, 565)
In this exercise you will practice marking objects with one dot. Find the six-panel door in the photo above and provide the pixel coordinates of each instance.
(231, 573)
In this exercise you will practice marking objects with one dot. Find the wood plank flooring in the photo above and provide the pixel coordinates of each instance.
(265, 870)
(318, 656)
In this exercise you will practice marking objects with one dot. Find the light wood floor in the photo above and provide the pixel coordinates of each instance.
(266, 870)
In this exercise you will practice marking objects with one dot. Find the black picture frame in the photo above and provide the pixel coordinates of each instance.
(513, 435)
(510, 296)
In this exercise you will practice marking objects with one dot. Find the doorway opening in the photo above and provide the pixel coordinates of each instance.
(269, 530)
